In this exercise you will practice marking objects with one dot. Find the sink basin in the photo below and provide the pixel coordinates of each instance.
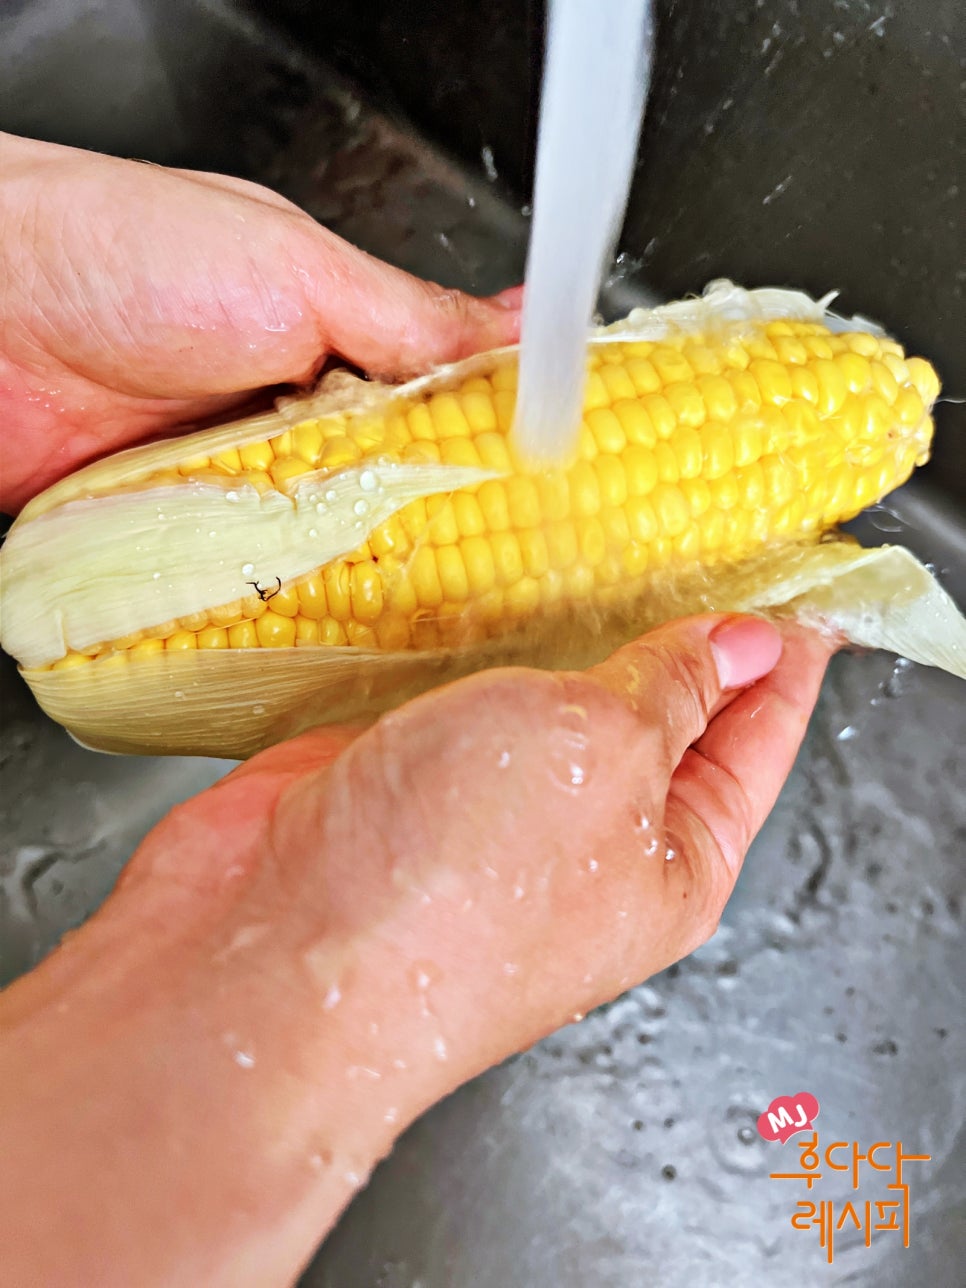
(821, 150)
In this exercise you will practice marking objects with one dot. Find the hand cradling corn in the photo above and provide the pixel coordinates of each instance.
(217, 593)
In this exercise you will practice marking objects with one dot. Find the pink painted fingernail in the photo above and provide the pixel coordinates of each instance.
(744, 649)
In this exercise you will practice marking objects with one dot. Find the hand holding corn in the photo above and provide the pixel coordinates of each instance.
(302, 959)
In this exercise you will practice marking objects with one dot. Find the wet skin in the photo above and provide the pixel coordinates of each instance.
(303, 958)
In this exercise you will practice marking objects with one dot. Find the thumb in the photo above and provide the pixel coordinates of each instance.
(676, 678)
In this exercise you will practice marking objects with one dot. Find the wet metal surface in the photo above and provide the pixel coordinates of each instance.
(621, 1151)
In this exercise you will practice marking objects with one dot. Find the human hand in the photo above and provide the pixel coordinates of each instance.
(300, 960)
(135, 300)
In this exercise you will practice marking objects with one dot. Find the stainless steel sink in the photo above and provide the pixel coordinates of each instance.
(621, 1151)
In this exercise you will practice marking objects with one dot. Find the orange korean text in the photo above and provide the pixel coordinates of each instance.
(868, 1216)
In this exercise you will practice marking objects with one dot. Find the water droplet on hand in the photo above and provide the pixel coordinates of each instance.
(423, 975)
(357, 1071)
(570, 758)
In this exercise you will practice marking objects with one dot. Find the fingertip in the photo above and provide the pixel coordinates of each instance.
(744, 650)
(511, 298)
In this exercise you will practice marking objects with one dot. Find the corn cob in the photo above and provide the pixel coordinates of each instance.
(346, 551)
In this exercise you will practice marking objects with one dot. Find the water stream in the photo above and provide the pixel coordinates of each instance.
(596, 76)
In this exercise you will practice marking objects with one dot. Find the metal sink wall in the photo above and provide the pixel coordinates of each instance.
(821, 149)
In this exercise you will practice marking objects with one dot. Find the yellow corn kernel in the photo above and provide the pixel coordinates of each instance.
(229, 460)
(257, 456)
(72, 660)
(213, 637)
(365, 592)
(507, 558)
(306, 631)
(275, 631)
(335, 578)
(332, 632)
(149, 647)
(226, 614)
(311, 597)
(286, 469)
(479, 410)
(307, 441)
(181, 640)
(242, 635)
(193, 465)
(534, 552)
(285, 601)
(441, 522)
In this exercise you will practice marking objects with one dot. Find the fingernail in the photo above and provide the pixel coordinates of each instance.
(744, 649)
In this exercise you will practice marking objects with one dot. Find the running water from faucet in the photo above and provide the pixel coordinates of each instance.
(596, 75)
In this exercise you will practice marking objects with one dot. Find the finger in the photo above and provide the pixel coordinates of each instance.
(727, 783)
(394, 324)
(197, 286)
(676, 677)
